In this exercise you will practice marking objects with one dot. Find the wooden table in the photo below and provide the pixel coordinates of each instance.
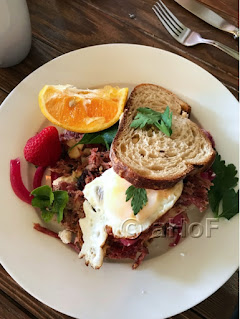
(61, 26)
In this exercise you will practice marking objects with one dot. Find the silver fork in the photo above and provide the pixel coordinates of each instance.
(183, 34)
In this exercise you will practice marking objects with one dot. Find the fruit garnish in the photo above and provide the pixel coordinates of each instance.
(43, 149)
(83, 111)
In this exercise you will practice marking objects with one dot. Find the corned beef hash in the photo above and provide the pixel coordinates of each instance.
(117, 189)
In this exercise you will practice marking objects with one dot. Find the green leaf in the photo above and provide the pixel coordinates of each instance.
(146, 116)
(49, 202)
(162, 127)
(139, 121)
(222, 190)
(60, 201)
(150, 113)
(167, 121)
(43, 196)
(88, 138)
(138, 196)
(104, 137)
(214, 200)
(47, 215)
(109, 134)
(167, 117)
(91, 138)
(130, 192)
(218, 166)
(227, 173)
(40, 202)
(230, 204)
(44, 192)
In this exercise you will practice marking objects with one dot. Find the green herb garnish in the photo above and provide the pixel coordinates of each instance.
(146, 116)
(139, 198)
(104, 137)
(222, 190)
(50, 202)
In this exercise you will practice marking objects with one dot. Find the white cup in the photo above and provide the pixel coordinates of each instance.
(15, 32)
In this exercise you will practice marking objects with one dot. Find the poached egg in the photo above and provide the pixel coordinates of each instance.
(106, 205)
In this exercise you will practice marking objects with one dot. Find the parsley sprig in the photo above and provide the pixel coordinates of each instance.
(139, 198)
(223, 191)
(50, 202)
(104, 137)
(146, 116)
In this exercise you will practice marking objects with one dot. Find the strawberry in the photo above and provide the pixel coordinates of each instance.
(43, 149)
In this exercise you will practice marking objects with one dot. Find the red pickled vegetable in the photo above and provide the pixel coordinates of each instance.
(45, 230)
(51, 233)
(37, 179)
(17, 183)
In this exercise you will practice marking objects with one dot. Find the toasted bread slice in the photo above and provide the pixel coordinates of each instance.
(157, 98)
(147, 158)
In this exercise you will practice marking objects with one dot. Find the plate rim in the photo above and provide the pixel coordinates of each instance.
(109, 45)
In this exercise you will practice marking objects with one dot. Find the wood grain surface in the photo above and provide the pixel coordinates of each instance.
(228, 9)
(59, 26)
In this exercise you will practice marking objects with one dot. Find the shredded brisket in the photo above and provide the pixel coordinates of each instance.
(97, 162)
(68, 135)
(195, 192)
(65, 167)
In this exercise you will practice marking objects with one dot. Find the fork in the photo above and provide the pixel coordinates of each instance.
(183, 34)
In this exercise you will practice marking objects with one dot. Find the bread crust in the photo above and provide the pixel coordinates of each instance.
(131, 175)
(142, 182)
(184, 106)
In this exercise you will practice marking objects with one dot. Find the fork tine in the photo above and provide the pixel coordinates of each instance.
(171, 29)
(167, 12)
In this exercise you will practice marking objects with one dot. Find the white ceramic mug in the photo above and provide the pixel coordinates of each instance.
(15, 32)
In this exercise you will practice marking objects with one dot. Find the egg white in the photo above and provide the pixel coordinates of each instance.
(106, 205)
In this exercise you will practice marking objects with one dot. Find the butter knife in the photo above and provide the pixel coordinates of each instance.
(209, 16)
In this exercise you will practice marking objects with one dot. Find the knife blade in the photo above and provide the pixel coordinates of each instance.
(209, 16)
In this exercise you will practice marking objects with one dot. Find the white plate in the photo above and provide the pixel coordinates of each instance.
(162, 286)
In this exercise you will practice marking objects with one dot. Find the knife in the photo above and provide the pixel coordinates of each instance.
(209, 16)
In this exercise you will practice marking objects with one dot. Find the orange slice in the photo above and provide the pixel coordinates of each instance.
(83, 111)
